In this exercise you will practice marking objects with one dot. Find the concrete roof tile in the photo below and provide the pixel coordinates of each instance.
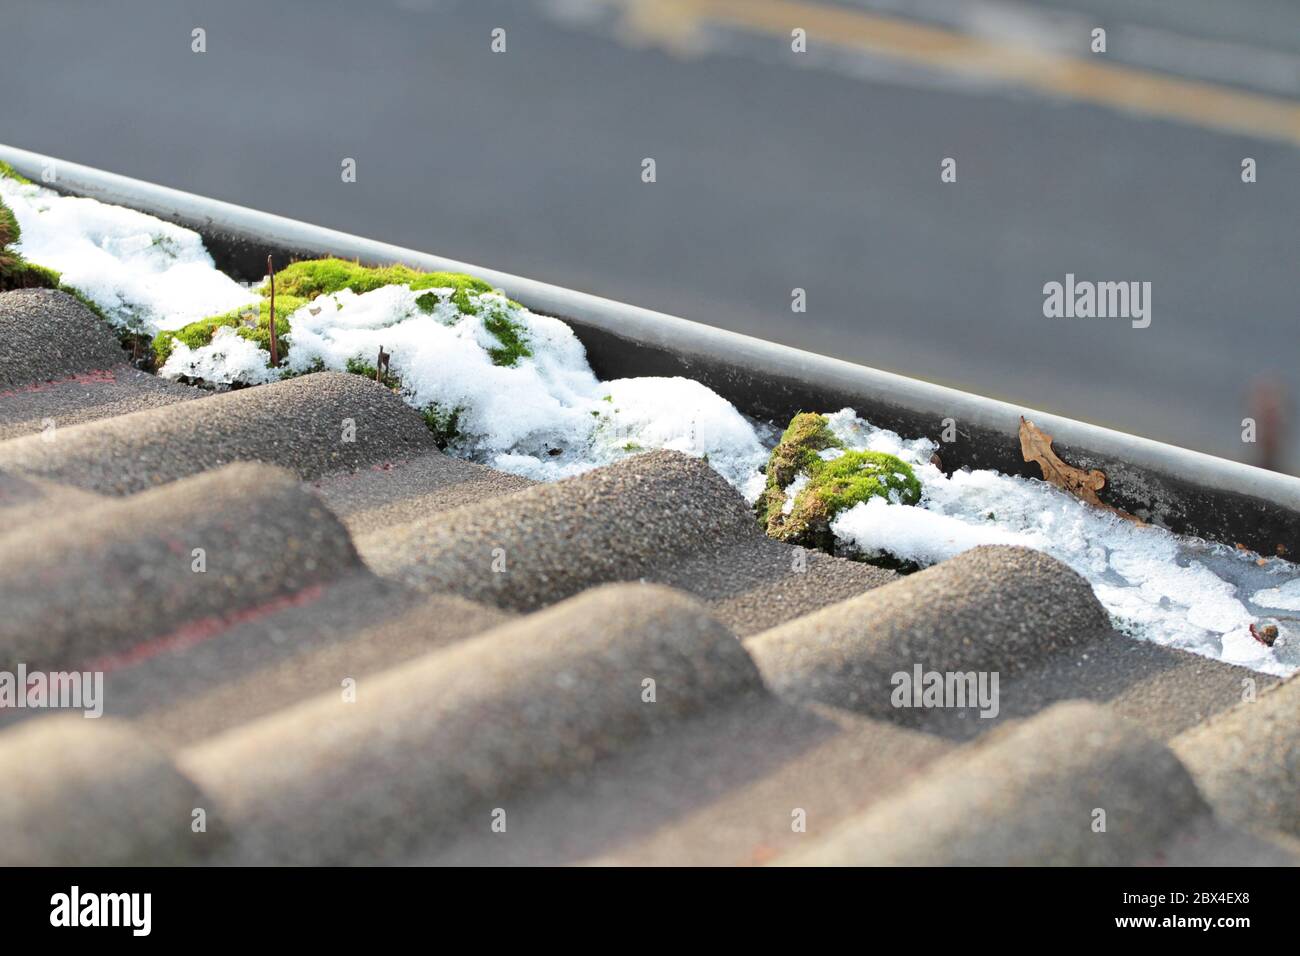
(499, 635)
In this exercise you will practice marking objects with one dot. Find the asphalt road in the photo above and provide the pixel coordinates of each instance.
(774, 171)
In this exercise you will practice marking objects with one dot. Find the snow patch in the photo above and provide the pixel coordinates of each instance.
(228, 358)
(914, 534)
(1284, 598)
(546, 416)
(144, 273)
(792, 490)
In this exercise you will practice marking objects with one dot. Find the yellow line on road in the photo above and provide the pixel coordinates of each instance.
(1086, 80)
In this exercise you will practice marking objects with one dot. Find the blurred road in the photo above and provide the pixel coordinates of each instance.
(775, 169)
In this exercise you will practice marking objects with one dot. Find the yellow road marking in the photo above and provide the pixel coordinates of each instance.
(675, 22)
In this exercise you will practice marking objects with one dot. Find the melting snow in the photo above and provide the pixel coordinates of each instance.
(1173, 590)
(144, 273)
(547, 416)
(1283, 598)
(229, 358)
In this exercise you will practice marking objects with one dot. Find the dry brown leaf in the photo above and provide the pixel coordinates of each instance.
(1036, 445)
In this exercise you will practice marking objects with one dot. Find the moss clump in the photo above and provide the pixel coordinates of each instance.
(443, 422)
(313, 277)
(804, 437)
(25, 275)
(8, 172)
(427, 303)
(511, 335)
(832, 486)
(252, 323)
(858, 475)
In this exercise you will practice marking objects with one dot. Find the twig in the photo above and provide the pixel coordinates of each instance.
(275, 351)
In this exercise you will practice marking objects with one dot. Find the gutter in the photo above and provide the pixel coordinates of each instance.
(1186, 491)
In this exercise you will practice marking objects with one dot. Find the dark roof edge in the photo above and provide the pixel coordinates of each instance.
(1184, 490)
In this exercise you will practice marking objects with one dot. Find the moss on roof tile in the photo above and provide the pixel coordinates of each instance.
(833, 483)
(312, 277)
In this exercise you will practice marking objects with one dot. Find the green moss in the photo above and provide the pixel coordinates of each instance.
(18, 273)
(8, 172)
(833, 486)
(511, 335)
(443, 422)
(248, 324)
(858, 475)
(41, 277)
(313, 277)
(804, 437)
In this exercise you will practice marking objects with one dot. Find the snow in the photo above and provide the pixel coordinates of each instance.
(547, 416)
(1284, 598)
(678, 414)
(144, 273)
(229, 357)
(792, 490)
(1173, 590)
(914, 534)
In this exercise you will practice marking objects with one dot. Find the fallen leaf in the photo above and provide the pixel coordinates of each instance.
(1036, 445)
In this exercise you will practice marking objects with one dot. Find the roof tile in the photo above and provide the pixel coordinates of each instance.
(315, 425)
(1038, 790)
(621, 662)
(178, 557)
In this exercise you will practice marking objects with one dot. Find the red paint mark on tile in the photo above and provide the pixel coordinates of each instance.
(98, 377)
(204, 629)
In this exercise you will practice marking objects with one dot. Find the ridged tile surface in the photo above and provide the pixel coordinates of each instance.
(387, 655)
